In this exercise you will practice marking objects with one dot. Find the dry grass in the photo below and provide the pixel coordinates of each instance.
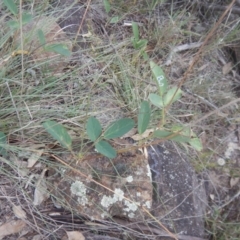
(106, 78)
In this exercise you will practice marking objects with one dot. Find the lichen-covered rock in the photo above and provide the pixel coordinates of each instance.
(107, 188)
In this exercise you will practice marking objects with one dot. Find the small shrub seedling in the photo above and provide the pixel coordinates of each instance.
(162, 100)
(100, 137)
(139, 44)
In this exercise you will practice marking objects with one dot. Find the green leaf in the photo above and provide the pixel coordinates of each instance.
(41, 37)
(168, 98)
(180, 138)
(107, 6)
(143, 117)
(135, 31)
(185, 131)
(159, 77)
(3, 141)
(156, 100)
(161, 133)
(58, 48)
(26, 18)
(114, 19)
(176, 138)
(13, 24)
(94, 129)
(58, 132)
(196, 143)
(11, 6)
(106, 149)
(119, 128)
(145, 56)
(140, 44)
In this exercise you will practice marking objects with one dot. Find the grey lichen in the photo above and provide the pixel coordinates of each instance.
(147, 204)
(149, 174)
(130, 206)
(80, 190)
(118, 194)
(107, 201)
(129, 179)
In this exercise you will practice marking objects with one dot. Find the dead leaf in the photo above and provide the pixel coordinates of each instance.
(19, 213)
(12, 227)
(227, 68)
(234, 181)
(75, 235)
(40, 193)
(139, 137)
(212, 196)
(34, 158)
(87, 35)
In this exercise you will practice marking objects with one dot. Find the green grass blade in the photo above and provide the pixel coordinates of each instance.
(106, 149)
(119, 128)
(159, 77)
(3, 141)
(144, 117)
(41, 37)
(59, 133)
(11, 6)
(94, 129)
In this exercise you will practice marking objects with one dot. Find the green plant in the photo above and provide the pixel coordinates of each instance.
(139, 44)
(20, 19)
(107, 7)
(162, 100)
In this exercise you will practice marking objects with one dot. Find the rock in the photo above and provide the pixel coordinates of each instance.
(127, 187)
(179, 200)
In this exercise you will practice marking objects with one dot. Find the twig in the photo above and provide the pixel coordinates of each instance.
(235, 10)
(83, 18)
(180, 48)
(230, 200)
(216, 111)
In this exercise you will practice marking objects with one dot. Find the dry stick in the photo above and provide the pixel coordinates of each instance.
(83, 18)
(92, 180)
(200, 51)
(154, 230)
